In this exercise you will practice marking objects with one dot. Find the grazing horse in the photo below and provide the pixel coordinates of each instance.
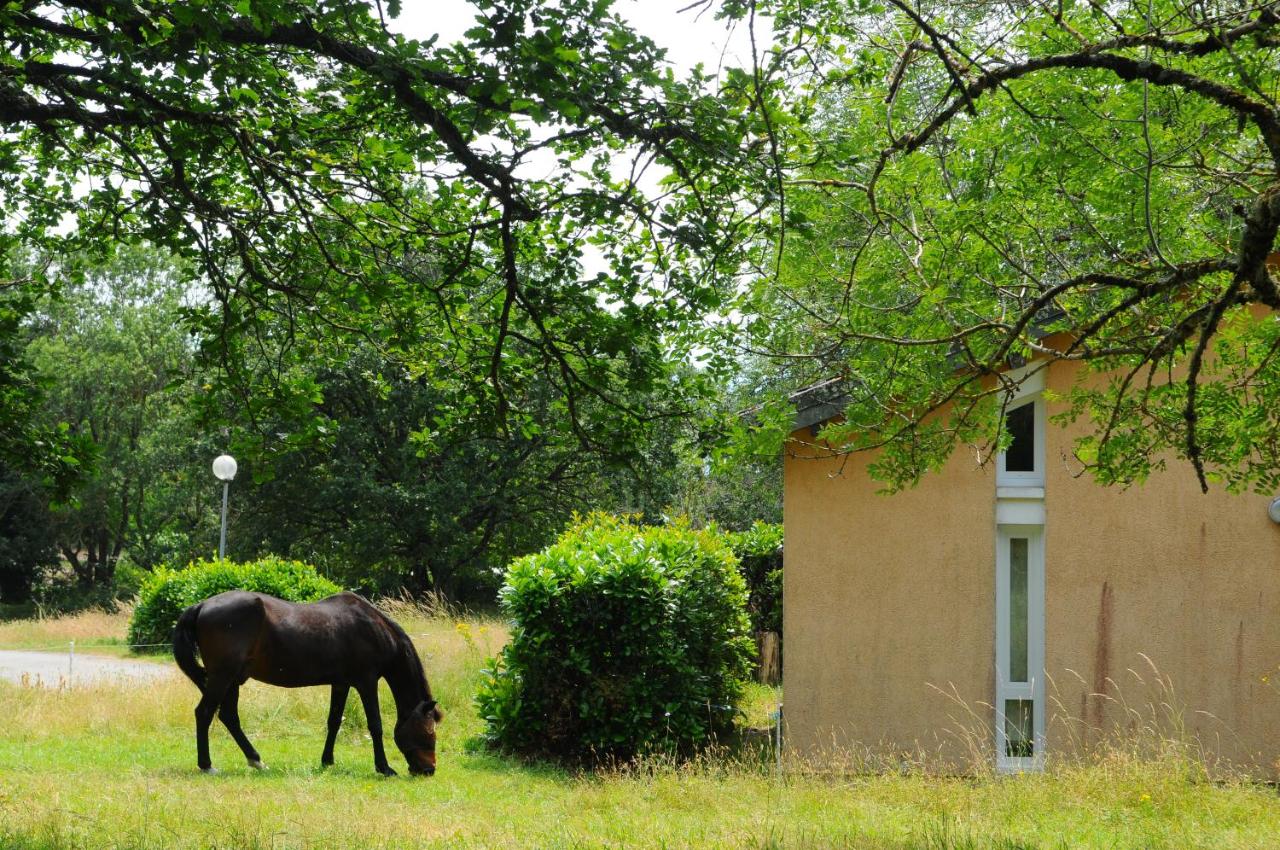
(342, 641)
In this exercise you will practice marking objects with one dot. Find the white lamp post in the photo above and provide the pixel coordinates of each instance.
(224, 469)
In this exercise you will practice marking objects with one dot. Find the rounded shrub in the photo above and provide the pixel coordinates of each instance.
(627, 640)
(166, 592)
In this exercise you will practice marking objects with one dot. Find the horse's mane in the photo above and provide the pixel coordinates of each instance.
(409, 654)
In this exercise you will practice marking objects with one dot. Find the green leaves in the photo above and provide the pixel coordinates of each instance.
(969, 188)
(628, 640)
(313, 164)
(759, 551)
(39, 448)
(244, 95)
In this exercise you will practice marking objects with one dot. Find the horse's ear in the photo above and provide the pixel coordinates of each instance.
(433, 708)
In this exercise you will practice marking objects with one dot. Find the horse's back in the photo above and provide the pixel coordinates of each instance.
(234, 608)
(337, 639)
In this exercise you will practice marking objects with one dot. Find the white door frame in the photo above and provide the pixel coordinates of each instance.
(1033, 689)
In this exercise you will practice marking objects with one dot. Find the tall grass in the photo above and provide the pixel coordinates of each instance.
(114, 766)
(95, 628)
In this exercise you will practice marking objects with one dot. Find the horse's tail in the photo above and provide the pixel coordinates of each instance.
(184, 645)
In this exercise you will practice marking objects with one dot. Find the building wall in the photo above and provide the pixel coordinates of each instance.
(1163, 600)
(889, 610)
(1162, 609)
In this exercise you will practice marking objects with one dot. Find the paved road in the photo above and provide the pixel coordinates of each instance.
(52, 669)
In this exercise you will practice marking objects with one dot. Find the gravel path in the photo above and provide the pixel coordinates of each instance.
(54, 669)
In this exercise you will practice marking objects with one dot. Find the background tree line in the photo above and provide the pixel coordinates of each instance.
(383, 478)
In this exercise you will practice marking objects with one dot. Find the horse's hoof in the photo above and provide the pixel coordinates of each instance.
(209, 771)
(387, 771)
(257, 765)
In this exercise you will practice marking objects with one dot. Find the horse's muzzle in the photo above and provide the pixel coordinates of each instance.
(423, 765)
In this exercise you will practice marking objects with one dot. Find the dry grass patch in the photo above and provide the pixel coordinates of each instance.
(93, 630)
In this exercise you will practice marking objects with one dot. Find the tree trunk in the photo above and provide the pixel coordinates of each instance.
(84, 567)
(770, 645)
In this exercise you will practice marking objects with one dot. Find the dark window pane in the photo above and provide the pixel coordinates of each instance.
(1021, 422)
(1019, 729)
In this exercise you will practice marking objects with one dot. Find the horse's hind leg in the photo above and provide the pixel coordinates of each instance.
(369, 698)
(229, 714)
(215, 687)
(337, 702)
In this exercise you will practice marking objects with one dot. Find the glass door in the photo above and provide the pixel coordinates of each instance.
(1019, 647)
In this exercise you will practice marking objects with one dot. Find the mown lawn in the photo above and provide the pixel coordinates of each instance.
(114, 766)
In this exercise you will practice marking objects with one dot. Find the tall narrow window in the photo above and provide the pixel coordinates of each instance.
(1022, 463)
(1021, 454)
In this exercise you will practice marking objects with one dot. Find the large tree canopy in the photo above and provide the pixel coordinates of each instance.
(322, 170)
(984, 183)
(346, 460)
(539, 223)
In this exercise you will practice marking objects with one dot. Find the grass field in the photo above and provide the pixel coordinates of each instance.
(94, 631)
(114, 766)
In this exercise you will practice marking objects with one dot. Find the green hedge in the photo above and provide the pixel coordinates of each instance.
(166, 592)
(626, 640)
(759, 551)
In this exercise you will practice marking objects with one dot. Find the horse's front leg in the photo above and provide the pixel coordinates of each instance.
(337, 703)
(369, 698)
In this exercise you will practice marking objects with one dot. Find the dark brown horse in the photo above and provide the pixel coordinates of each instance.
(342, 641)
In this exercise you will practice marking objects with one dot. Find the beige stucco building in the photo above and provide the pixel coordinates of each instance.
(1005, 613)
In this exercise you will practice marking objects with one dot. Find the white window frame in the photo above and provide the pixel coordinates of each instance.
(1033, 689)
(1028, 389)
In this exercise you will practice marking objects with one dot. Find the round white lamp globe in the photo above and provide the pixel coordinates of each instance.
(224, 467)
(1274, 510)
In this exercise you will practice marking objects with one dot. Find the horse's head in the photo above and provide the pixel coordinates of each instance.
(416, 737)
